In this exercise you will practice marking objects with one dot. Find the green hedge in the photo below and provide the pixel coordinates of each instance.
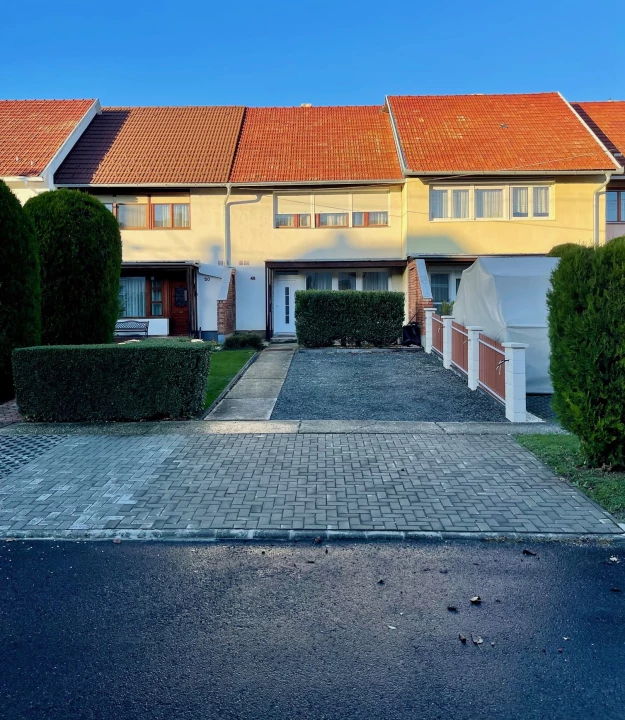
(20, 291)
(80, 253)
(135, 381)
(323, 317)
(239, 341)
(587, 335)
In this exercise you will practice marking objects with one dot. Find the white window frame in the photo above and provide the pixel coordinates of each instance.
(507, 201)
(313, 213)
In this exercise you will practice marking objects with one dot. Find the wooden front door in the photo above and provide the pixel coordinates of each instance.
(179, 304)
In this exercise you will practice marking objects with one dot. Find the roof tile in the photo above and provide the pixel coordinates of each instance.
(494, 133)
(154, 145)
(315, 144)
(607, 121)
(32, 131)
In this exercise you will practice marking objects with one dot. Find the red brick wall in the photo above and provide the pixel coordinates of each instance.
(416, 302)
(227, 309)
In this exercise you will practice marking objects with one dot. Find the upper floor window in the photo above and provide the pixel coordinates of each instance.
(170, 215)
(615, 206)
(132, 216)
(150, 213)
(490, 202)
(366, 208)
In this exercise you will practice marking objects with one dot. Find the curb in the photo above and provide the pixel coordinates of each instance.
(297, 535)
(229, 387)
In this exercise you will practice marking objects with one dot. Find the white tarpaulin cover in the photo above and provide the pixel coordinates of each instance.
(507, 296)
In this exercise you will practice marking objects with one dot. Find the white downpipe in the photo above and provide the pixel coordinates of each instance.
(601, 190)
(227, 252)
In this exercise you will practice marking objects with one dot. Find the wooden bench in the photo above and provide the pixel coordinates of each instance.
(131, 328)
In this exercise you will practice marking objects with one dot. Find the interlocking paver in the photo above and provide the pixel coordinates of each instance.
(415, 482)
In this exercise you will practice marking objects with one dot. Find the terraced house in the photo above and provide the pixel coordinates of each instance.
(227, 211)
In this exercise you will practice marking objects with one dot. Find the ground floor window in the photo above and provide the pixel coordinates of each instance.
(319, 281)
(132, 296)
(376, 280)
(347, 281)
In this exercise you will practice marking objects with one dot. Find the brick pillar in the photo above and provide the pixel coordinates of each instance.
(416, 302)
(227, 309)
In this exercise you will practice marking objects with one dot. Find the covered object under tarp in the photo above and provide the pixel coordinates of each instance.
(507, 296)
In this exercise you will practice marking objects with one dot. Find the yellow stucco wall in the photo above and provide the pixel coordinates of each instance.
(571, 221)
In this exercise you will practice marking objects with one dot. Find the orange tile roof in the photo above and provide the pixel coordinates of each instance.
(32, 131)
(607, 120)
(154, 145)
(308, 144)
(494, 133)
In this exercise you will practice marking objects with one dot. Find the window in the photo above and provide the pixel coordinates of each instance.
(439, 204)
(332, 220)
(287, 305)
(132, 296)
(319, 281)
(108, 206)
(293, 221)
(615, 206)
(132, 216)
(376, 280)
(164, 213)
(156, 296)
(370, 219)
(488, 203)
(370, 208)
(484, 203)
(439, 284)
(347, 281)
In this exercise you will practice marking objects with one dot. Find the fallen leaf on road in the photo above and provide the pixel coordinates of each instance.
(615, 589)
(391, 627)
(560, 650)
(443, 571)
(452, 608)
(476, 600)
(462, 638)
(318, 540)
(380, 582)
(492, 644)
(10, 539)
(477, 640)
(529, 552)
(565, 638)
(310, 562)
(117, 541)
(613, 559)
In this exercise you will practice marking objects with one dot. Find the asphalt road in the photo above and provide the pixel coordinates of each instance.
(166, 630)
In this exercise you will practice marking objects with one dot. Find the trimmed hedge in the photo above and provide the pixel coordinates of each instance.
(239, 341)
(144, 380)
(323, 317)
(80, 252)
(587, 335)
(559, 250)
(20, 291)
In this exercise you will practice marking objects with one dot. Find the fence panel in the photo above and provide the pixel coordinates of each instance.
(437, 334)
(460, 347)
(492, 367)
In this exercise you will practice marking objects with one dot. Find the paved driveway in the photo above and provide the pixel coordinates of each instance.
(341, 384)
(76, 485)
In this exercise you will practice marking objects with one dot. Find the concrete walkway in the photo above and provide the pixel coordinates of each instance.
(203, 483)
(256, 393)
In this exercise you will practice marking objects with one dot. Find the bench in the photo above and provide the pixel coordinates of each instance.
(131, 328)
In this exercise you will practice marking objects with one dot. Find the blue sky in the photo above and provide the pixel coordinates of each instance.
(201, 52)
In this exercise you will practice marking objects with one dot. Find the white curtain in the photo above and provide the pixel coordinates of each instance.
(347, 281)
(375, 280)
(181, 216)
(162, 216)
(460, 200)
(132, 296)
(541, 201)
(319, 281)
(488, 203)
(132, 216)
(378, 218)
(333, 220)
(438, 204)
(520, 202)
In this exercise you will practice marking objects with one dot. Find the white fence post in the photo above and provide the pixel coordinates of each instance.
(473, 369)
(447, 320)
(428, 329)
(515, 382)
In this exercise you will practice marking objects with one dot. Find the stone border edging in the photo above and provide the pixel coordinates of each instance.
(297, 535)
(229, 386)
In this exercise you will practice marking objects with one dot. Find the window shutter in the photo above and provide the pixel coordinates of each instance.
(293, 204)
(373, 201)
(331, 203)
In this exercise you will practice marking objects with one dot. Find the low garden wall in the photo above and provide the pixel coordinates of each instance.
(145, 380)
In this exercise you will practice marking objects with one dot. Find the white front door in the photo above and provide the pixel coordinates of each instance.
(284, 287)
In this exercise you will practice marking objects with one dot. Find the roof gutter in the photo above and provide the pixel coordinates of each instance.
(291, 183)
(501, 173)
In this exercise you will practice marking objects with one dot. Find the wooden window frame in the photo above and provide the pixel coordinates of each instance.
(133, 227)
(171, 215)
(620, 216)
(297, 222)
(330, 227)
(366, 219)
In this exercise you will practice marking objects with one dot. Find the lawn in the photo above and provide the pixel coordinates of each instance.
(561, 453)
(225, 364)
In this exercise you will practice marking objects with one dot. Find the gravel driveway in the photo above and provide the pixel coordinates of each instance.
(339, 384)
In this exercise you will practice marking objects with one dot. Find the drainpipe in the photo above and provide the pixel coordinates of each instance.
(601, 190)
(227, 253)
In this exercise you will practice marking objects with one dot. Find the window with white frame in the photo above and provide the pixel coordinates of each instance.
(489, 202)
(375, 280)
(357, 209)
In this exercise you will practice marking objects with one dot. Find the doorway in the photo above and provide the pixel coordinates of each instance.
(284, 288)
